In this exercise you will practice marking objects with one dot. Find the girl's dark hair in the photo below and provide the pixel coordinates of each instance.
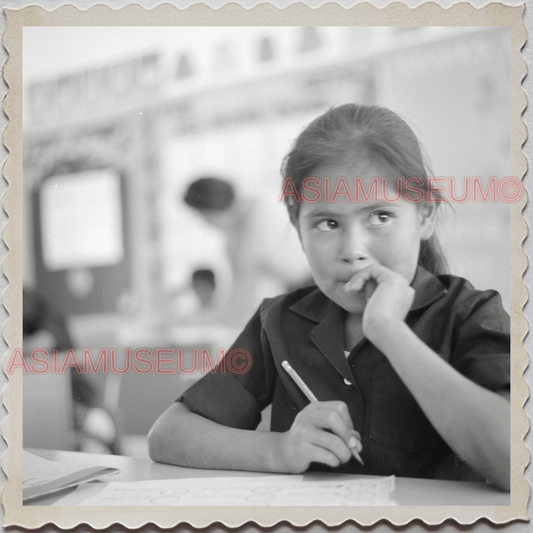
(373, 133)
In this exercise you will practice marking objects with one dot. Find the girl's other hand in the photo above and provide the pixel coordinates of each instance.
(389, 298)
(323, 433)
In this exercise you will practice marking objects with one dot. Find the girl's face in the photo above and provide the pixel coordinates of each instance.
(341, 237)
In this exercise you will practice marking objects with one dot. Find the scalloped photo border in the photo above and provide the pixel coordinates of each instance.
(396, 14)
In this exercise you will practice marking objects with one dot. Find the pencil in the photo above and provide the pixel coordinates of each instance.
(309, 395)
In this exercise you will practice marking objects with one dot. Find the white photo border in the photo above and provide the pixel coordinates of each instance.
(296, 14)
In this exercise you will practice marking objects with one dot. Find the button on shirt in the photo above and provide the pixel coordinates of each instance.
(467, 328)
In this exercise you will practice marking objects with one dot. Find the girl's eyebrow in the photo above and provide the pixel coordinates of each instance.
(314, 214)
(370, 207)
(382, 204)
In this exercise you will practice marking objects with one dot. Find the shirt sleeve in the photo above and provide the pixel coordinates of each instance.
(242, 384)
(482, 347)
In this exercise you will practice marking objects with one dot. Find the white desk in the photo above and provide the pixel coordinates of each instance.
(412, 492)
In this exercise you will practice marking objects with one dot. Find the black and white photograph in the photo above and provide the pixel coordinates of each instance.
(269, 268)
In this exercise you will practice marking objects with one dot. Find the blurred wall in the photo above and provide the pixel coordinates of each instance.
(455, 93)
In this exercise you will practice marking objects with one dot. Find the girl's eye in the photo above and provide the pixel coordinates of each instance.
(326, 225)
(378, 218)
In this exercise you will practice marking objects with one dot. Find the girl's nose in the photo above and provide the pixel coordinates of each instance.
(354, 248)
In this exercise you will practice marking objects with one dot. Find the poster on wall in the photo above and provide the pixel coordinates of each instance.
(81, 220)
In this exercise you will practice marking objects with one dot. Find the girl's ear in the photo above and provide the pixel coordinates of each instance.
(427, 216)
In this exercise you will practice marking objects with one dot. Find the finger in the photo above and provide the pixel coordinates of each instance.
(355, 443)
(352, 438)
(336, 431)
(356, 447)
(331, 420)
(374, 271)
(358, 280)
(358, 444)
(339, 407)
(370, 287)
(332, 443)
(319, 454)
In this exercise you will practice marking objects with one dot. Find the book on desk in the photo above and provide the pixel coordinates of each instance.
(41, 476)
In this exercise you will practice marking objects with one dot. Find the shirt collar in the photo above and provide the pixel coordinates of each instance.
(428, 289)
(317, 306)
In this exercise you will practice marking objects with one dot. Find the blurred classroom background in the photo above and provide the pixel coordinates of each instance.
(119, 121)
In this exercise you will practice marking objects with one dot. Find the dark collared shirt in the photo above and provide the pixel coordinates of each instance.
(467, 328)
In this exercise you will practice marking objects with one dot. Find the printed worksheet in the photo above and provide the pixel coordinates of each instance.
(269, 491)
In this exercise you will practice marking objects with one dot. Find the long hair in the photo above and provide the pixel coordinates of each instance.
(351, 131)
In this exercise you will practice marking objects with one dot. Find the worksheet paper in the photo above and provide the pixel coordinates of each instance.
(264, 491)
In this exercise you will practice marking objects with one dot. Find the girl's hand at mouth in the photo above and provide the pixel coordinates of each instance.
(389, 298)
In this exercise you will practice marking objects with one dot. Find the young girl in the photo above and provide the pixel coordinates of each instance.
(410, 366)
